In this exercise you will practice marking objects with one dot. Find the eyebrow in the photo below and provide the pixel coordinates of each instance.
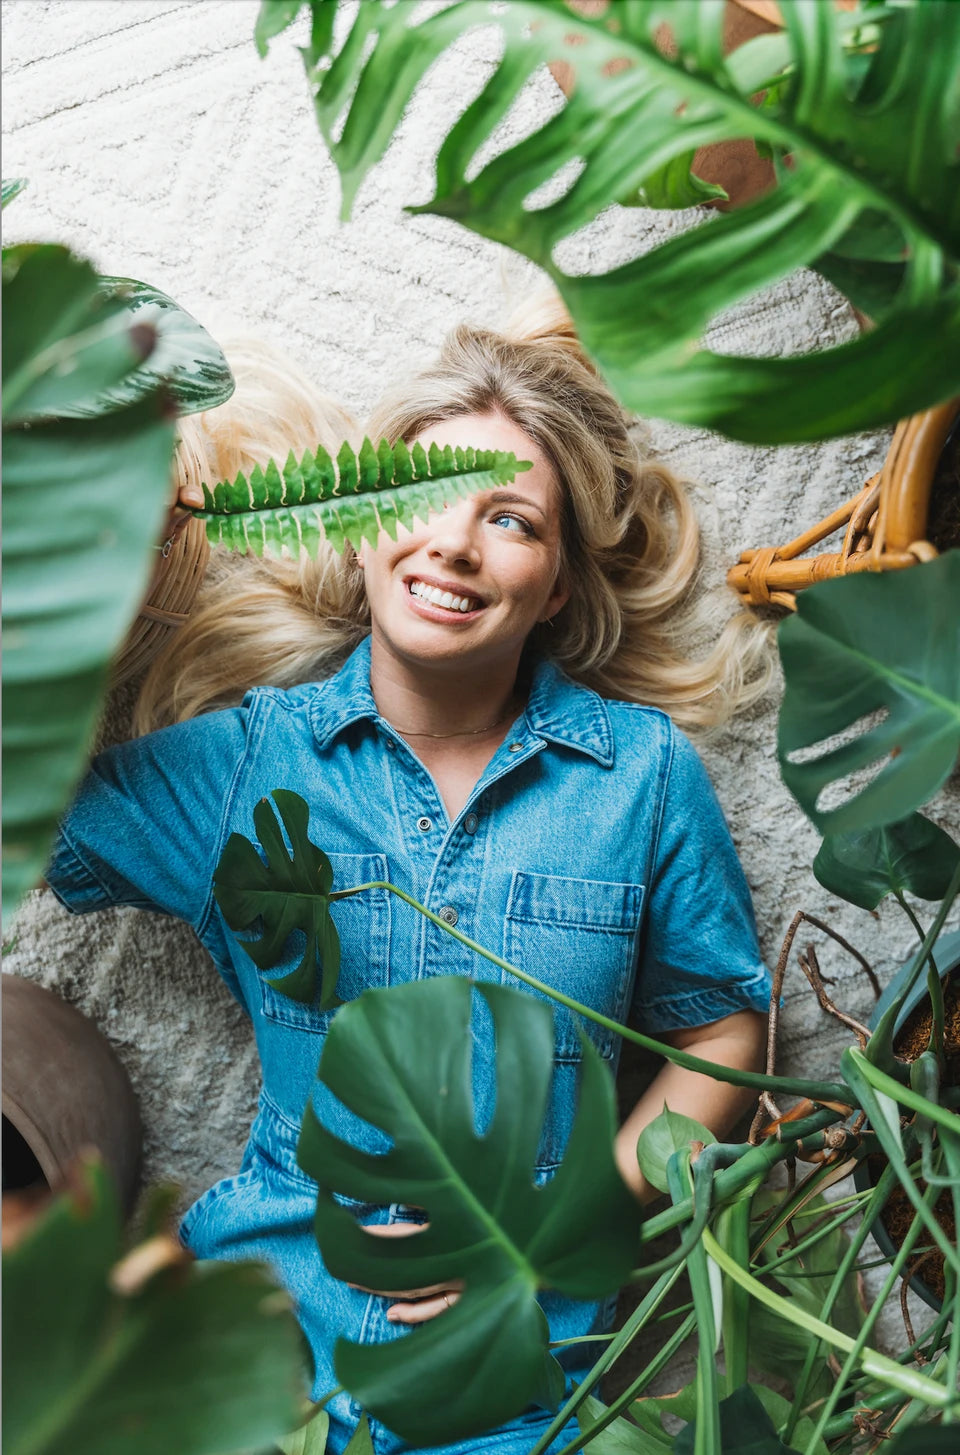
(507, 497)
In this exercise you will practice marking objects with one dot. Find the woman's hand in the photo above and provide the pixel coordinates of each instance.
(427, 1302)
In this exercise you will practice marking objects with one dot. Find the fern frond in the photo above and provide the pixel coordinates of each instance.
(348, 500)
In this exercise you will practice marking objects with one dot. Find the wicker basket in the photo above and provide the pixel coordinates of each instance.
(176, 580)
(886, 523)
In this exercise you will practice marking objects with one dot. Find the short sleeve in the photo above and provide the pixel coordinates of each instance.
(699, 957)
(145, 826)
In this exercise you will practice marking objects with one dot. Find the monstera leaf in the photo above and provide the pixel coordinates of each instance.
(151, 1352)
(289, 892)
(913, 856)
(349, 500)
(84, 503)
(873, 643)
(861, 104)
(401, 1060)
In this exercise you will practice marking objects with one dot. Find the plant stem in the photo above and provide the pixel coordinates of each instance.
(934, 986)
(706, 1439)
(856, 1349)
(880, 1048)
(818, 1091)
(913, 1384)
(733, 1233)
(880, 1081)
(650, 1371)
(608, 1358)
(752, 1167)
(878, 1196)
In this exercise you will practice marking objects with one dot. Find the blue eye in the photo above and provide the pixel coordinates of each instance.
(515, 522)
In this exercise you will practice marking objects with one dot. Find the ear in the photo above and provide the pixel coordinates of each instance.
(557, 599)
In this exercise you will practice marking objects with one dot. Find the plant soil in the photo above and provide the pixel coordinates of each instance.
(911, 1040)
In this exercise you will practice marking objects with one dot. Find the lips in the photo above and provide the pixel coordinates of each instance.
(443, 597)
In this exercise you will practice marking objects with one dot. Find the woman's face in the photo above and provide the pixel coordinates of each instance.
(468, 586)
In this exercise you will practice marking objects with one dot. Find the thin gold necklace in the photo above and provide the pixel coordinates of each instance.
(463, 733)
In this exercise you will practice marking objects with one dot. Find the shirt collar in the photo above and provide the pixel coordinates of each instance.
(559, 710)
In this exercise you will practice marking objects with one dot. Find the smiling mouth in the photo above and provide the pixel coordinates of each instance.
(445, 599)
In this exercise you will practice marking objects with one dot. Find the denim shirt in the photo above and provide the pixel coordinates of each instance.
(591, 853)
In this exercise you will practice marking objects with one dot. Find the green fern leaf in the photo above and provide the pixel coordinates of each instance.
(347, 501)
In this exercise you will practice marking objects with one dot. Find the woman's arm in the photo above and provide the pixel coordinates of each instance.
(736, 1040)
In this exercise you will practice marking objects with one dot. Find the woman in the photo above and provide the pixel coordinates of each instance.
(482, 746)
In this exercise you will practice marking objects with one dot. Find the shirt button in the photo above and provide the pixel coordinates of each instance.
(448, 914)
(470, 823)
(390, 745)
(424, 824)
(516, 748)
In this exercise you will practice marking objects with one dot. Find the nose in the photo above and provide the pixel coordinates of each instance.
(454, 537)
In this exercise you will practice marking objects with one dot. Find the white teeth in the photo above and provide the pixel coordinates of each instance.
(445, 599)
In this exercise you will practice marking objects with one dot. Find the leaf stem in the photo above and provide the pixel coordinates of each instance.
(880, 1048)
(619, 1342)
(912, 1383)
(818, 1091)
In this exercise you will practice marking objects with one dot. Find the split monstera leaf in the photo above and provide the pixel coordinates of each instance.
(401, 1060)
(856, 113)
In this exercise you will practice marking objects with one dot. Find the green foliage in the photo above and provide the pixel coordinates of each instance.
(670, 1132)
(12, 187)
(309, 1439)
(185, 361)
(401, 1060)
(84, 502)
(192, 1358)
(861, 644)
(745, 1429)
(287, 893)
(349, 500)
(866, 117)
(914, 856)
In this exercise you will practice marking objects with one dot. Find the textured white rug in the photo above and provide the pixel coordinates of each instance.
(159, 144)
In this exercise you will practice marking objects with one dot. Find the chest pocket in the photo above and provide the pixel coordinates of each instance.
(578, 936)
(363, 924)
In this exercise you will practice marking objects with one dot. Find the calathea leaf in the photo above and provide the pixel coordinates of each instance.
(348, 500)
(914, 856)
(289, 892)
(669, 1132)
(401, 1060)
(83, 505)
(11, 187)
(876, 642)
(186, 360)
(871, 133)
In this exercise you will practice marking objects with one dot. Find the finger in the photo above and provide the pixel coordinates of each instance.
(430, 1291)
(394, 1230)
(423, 1310)
(190, 496)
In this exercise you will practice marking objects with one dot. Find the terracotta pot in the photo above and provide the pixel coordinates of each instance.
(64, 1088)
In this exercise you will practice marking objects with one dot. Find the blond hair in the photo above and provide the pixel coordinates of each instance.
(630, 552)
